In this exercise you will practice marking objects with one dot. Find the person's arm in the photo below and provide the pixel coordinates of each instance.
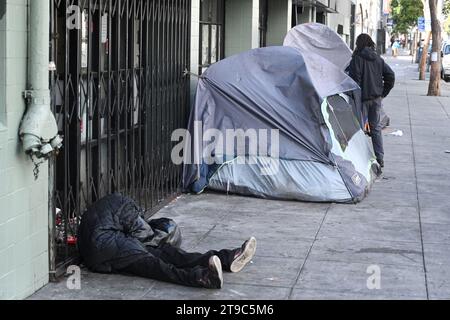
(355, 71)
(388, 79)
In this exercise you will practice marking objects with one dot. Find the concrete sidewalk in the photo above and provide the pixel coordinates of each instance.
(324, 251)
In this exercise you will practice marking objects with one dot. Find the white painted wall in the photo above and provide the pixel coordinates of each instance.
(371, 15)
(241, 26)
(279, 21)
(343, 17)
(23, 201)
(255, 24)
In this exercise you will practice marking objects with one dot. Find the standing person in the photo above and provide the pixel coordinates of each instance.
(395, 47)
(376, 80)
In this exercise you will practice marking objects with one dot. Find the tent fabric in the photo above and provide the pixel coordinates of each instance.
(347, 181)
(266, 88)
(296, 180)
(320, 40)
(323, 155)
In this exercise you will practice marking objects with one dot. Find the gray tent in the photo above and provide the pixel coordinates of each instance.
(322, 154)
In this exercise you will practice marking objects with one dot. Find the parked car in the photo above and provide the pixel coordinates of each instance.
(445, 61)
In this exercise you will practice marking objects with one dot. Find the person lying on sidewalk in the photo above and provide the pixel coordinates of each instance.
(376, 80)
(114, 238)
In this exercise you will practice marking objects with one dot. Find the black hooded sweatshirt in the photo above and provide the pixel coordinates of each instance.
(372, 74)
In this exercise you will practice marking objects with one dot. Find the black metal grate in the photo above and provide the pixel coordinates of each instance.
(118, 94)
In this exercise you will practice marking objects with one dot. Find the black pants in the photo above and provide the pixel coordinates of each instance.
(171, 264)
(373, 107)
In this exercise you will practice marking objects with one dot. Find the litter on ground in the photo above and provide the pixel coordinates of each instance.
(398, 133)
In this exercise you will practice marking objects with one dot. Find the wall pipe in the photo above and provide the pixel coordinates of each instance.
(38, 130)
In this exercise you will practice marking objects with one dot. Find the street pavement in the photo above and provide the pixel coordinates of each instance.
(393, 245)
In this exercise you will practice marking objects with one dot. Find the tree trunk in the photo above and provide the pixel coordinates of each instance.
(434, 88)
(423, 61)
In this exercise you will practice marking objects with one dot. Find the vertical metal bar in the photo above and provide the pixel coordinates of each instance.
(88, 106)
(177, 76)
(127, 98)
(158, 100)
(76, 128)
(169, 75)
(142, 101)
(167, 99)
(182, 59)
(52, 163)
(132, 97)
(187, 48)
(168, 64)
(118, 149)
(69, 135)
(157, 124)
(180, 66)
(147, 106)
(100, 103)
(109, 112)
(153, 157)
(174, 78)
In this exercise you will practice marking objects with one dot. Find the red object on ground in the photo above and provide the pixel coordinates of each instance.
(71, 240)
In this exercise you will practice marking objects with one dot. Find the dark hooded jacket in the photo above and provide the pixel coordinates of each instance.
(372, 74)
(112, 233)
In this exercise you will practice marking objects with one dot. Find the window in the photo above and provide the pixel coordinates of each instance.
(298, 10)
(212, 19)
(321, 17)
(343, 123)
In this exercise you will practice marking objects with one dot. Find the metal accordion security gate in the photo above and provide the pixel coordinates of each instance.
(118, 92)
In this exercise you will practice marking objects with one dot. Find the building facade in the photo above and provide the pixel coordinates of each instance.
(371, 18)
(121, 77)
(221, 28)
(336, 14)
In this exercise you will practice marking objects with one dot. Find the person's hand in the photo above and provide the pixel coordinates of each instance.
(367, 129)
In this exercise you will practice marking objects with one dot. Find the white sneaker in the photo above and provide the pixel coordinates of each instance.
(244, 255)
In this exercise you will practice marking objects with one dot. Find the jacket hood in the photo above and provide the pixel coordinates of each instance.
(368, 54)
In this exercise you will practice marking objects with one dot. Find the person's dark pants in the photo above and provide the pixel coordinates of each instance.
(373, 108)
(171, 264)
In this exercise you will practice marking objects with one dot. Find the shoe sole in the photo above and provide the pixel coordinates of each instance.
(247, 255)
(216, 265)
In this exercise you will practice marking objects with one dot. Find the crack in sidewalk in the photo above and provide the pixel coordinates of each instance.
(417, 193)
(297, 278)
